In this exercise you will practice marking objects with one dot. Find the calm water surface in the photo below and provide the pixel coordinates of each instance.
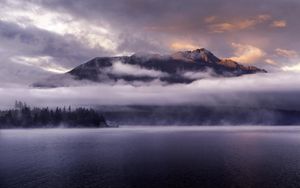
(142, 157)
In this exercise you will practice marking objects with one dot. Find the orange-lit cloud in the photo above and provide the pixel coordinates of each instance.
(286, 53)
(279, 23)
(247, 53)
(237, 25)
(183, 46)
(271, 62)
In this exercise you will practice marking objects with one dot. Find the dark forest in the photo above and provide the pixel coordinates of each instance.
(23, 116)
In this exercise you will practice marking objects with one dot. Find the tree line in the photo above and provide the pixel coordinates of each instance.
(23, 116)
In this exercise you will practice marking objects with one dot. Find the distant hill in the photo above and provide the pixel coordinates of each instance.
(180, 67)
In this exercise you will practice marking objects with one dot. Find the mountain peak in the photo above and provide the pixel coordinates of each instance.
(200, 55)
(201, 50)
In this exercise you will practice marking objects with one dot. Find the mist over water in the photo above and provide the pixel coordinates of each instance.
(151, 157)
(271, 90)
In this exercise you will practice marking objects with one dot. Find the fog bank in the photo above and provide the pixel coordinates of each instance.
(280, 90)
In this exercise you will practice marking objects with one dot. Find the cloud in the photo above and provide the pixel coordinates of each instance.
(30, 14)
(209, 73)
(33, 48)
(271, 62)
(293, 68)
(210, 19)
(15, 74)
(183, 46)
(121, 69)
(286, 53)
(272, 90)
(237, 25)
(279, 23)
(247, 53)
(43, 62)
(36, 41)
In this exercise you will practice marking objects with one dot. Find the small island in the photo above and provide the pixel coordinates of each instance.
(23, 116)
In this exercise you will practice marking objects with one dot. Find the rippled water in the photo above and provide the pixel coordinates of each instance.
(144, 157)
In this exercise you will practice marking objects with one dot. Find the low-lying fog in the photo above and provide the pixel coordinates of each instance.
(280, 90)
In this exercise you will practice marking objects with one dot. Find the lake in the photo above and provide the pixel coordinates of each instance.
(156, 157)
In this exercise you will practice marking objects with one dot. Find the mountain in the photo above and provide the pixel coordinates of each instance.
(180, 67)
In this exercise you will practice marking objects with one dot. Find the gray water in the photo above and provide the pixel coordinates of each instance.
(144, 157)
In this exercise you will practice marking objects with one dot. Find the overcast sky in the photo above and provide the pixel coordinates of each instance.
(39, 37)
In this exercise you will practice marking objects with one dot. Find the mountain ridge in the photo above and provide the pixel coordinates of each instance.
(181, 67)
